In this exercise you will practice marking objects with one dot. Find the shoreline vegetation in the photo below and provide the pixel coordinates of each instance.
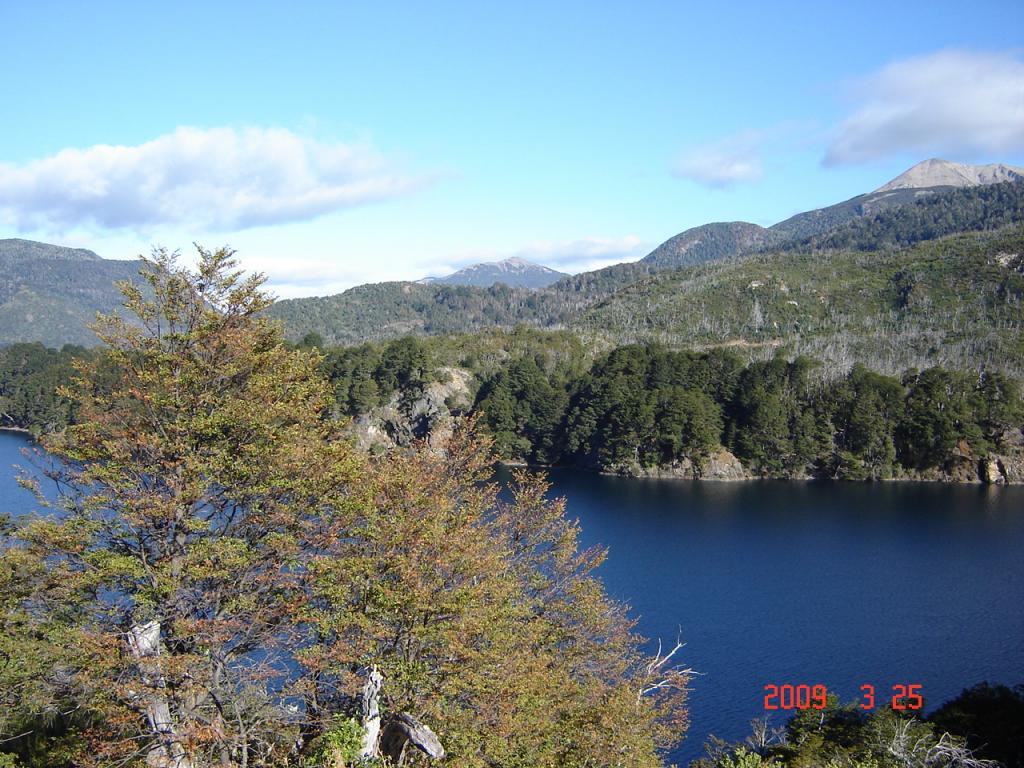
(513, 465)
(982, 727)
(639, 410)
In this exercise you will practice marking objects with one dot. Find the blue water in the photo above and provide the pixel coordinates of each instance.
(838, 584)
(16, 454)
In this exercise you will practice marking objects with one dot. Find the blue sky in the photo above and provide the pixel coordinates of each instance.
(340, 143)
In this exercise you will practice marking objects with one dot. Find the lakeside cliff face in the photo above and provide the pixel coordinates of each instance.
(425, 413)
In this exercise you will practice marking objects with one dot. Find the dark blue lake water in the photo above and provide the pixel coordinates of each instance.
(801, 583)
(838, 584)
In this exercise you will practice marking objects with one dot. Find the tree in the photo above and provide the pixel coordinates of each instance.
(999, 406)
(991, 718)
(763, 421)
(939, 414)
(689, 424)
(487, 623)
(867, 408)
(220, 570)
(403, 365)
(178, 519)
(523, 411)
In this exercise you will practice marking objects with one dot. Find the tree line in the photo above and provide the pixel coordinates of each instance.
(544, 399)
(644, 406)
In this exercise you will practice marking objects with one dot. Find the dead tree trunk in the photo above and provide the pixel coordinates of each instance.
(167, 751)
(403, 730)
(392, 741)
(371, 714)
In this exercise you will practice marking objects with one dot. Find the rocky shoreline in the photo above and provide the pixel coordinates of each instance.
(723, 466)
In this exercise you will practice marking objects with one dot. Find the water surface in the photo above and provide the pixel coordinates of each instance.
(841, 584)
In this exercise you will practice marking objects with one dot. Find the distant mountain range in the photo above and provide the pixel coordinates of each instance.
(515, 272)
(876, 278)
(721, 240)
(49, 293)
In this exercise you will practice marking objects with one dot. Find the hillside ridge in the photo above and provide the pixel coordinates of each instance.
(17, 249)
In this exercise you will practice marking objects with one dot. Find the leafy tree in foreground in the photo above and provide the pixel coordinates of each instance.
(219, 572)
(172, 554)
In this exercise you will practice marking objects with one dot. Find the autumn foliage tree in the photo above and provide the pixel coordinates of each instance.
(219, 568)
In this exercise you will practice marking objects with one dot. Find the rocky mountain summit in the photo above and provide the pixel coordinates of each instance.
(942, 173)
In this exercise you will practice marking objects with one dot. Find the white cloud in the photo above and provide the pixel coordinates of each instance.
(947, 103)
(732, 160)
(586, 253)
(305, 275)
(210, 179)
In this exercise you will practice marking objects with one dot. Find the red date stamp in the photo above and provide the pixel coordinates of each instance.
(904, 697)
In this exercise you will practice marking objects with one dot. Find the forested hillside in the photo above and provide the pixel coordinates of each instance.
(932, 215)
(954, 302)
(30, 375)
(50, 294)
(389, 310)
(645, 409)
(882, 288)
(710, 242)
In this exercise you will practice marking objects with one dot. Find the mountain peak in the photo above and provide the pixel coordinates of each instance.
(936, 172)
(515, 271)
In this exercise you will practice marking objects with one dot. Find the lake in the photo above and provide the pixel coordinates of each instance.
(772, 582)
(841, 584)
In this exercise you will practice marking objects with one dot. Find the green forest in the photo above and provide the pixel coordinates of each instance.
(545, 400)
